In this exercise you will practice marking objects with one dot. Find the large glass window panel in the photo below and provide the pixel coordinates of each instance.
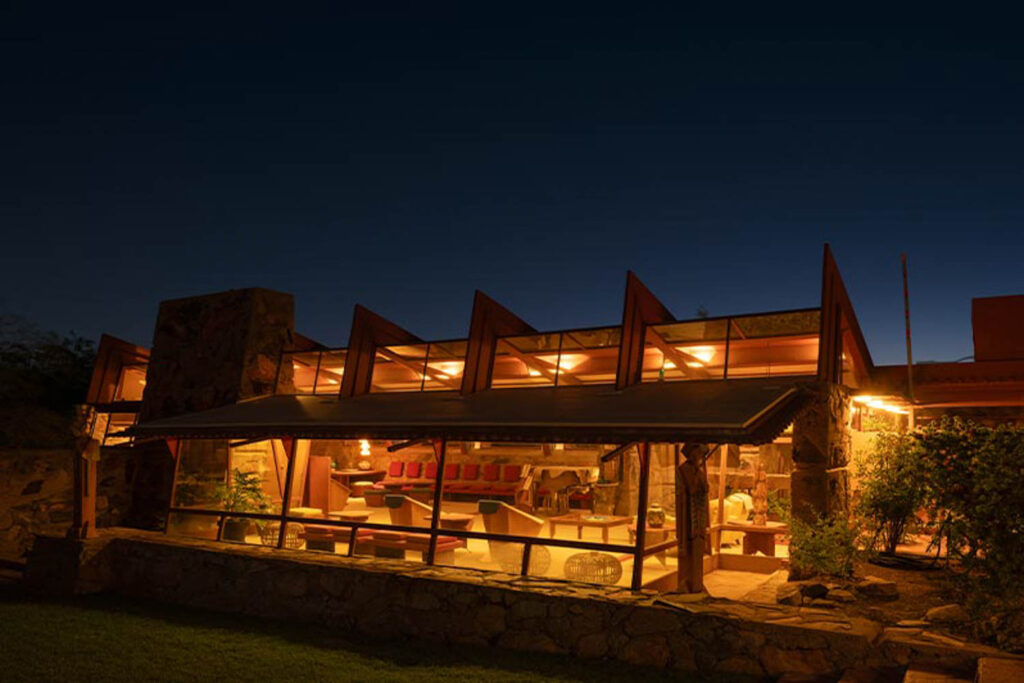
(445, 364)
(685, 351)
(526, 361)
(399, 368)
(131, 383)
(296, 373)
(774, 344)
(330, 372)
(589, 356)
(248, 478)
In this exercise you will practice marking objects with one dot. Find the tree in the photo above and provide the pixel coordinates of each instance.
(42, 376)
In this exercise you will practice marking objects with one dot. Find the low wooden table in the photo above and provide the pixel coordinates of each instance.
(347, 476)
(758, 537)
(351, 516)
(454, 520)
(653, 535)
(580, 520)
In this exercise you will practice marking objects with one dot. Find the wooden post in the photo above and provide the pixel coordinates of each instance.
(440, 446)
(86, 456)
(692, 517)
(174, 446)
(644, 449)
(291, 446)
(723, 464)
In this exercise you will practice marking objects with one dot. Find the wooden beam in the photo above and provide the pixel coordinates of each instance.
(436, 375)
(549, 370)
(639, 310)
(489, 321)
(618, 451)
(395, 447)
(680, 358)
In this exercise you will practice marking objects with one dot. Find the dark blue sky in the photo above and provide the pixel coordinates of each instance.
(403, 158)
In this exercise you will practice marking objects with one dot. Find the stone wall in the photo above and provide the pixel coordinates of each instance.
(393, 600)
(216, 350)
(821, 454)
(36, 494)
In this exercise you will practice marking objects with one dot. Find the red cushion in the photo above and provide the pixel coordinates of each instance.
(395, 468)
(431, 472)
(512, 473)
(470, 471)
(451, 472)
(413, 469)
(490, 473)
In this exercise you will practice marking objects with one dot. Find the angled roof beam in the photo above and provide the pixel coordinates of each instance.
(549, 370)
(489, 321)
(640, 309)
(369, 332)
(430, 372)
(836, 308)
(689, 365)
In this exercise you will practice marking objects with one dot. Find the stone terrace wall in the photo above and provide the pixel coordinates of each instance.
(36, 495)
(386, 599)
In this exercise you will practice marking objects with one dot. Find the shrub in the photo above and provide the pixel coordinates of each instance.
(891, 490)
(828, 545)
(975, 489)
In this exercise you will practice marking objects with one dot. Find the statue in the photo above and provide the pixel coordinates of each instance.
(86, 458)
(692, 516)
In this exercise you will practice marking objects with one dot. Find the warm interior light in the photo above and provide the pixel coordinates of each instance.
(364, 447)
(702, 353)
(450, 367)
(534, 373)
(331, 381)
(879, 403)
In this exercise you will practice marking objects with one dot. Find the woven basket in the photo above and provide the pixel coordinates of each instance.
(593, 567)
(510, 557)
(269, 532)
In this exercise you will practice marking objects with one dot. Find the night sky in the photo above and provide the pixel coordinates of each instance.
(403, 158)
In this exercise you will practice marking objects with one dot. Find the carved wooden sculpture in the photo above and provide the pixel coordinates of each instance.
(692, 516)
(87, 456)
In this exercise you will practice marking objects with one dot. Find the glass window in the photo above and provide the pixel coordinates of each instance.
(445, 363)
(131, 383)
(774, 344)
(526, 361)
(399, 368)
(330, 373)
(685, 351)
(542, 491)
(248, 478)
(296, 373)
(589, 356)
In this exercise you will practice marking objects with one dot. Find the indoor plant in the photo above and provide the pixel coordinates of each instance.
(243, 494)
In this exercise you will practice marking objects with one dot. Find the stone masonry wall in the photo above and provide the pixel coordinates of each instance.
(36, 494)
(390, 600)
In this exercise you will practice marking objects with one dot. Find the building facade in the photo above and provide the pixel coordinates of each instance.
(642, 454)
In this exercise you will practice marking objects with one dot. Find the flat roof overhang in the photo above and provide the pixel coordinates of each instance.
(710, 411)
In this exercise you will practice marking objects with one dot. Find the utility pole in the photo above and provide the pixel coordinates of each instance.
(910, 355)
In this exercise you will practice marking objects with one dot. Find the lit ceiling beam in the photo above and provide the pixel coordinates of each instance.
(543, 367)
(436, 375)
(681, 359)
(395, 447)
(618, 451)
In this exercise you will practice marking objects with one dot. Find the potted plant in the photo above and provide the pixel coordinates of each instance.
(243, 494)
(191, 491)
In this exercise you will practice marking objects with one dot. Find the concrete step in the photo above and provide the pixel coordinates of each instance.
(999, 670)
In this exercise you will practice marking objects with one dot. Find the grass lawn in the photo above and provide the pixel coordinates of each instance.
(103, 638)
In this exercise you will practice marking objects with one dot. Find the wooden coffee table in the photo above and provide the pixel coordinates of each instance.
(758, 538)
(580, 520)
